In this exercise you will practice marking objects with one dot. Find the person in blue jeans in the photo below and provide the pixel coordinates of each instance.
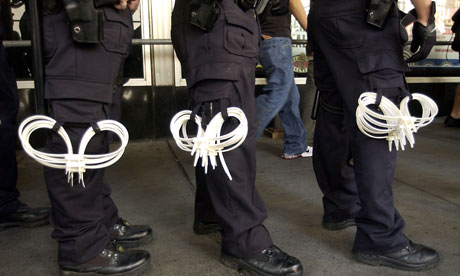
(282, 96)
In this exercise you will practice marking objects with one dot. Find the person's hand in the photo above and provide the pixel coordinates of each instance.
(133, 5)
(423, 37)
(423, 40)
(121, 5)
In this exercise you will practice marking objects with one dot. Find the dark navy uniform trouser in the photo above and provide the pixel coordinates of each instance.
(81, 89)
(9, 103)
(355, 172)
(220, 67)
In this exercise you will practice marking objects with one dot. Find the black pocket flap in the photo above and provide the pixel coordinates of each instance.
(118, 31)
(240, 20)
(380, 61)
(114, 15)
(217, 71)
(211, 90)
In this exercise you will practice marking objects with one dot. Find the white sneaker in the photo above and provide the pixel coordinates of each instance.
(308, 152)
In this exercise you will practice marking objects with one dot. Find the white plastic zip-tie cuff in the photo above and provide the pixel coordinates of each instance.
(394, 124)
(70, 162)
(209, 144)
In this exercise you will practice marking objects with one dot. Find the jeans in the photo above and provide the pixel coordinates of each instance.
(282, 95)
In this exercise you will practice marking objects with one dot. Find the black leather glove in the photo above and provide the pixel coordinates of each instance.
(423, 38)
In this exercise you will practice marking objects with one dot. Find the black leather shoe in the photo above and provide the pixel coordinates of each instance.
(412, 257)
(203, 228)
(113, 260)
(270, 262)
(130, 236)
(337, 225)
(26, 216)
(452, 122)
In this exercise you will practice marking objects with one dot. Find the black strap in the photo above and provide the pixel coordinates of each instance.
(330, 108)
(223, 105)
(378, 98)
(314, 111)
(56, 127)
(194, 111)
(96, 127)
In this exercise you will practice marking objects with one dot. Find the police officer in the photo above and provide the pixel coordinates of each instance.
(12, 211)
(82, 86)
(218, 54)
(355, 172)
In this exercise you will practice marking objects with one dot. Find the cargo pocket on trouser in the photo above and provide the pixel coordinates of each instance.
(384, 74)
(76, 116)
(209, 97)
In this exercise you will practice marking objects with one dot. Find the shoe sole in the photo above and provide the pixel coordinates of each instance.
(135, 243)
(338, 226)
(6, 225)
(291, 157)
(140, 270)
(203, 230)
(384, 261)
(244, 269)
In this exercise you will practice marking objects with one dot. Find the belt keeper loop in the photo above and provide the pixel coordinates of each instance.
(56, 127)
(95, 127)
(378, 98)
(223, 105)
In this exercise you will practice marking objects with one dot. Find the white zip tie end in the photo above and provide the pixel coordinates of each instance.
(209, 143)
(69, 162)
(395, 124)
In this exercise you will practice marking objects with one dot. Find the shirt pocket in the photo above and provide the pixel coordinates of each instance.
(241, 34)
(117, 30)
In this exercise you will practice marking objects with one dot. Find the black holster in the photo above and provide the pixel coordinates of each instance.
(85, 19)
(204, 14)
(378, 11)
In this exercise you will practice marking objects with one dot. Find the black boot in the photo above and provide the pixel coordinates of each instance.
(412, 257)
(270, 262)
(130, 236)
(113, 260)
(26, 216)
